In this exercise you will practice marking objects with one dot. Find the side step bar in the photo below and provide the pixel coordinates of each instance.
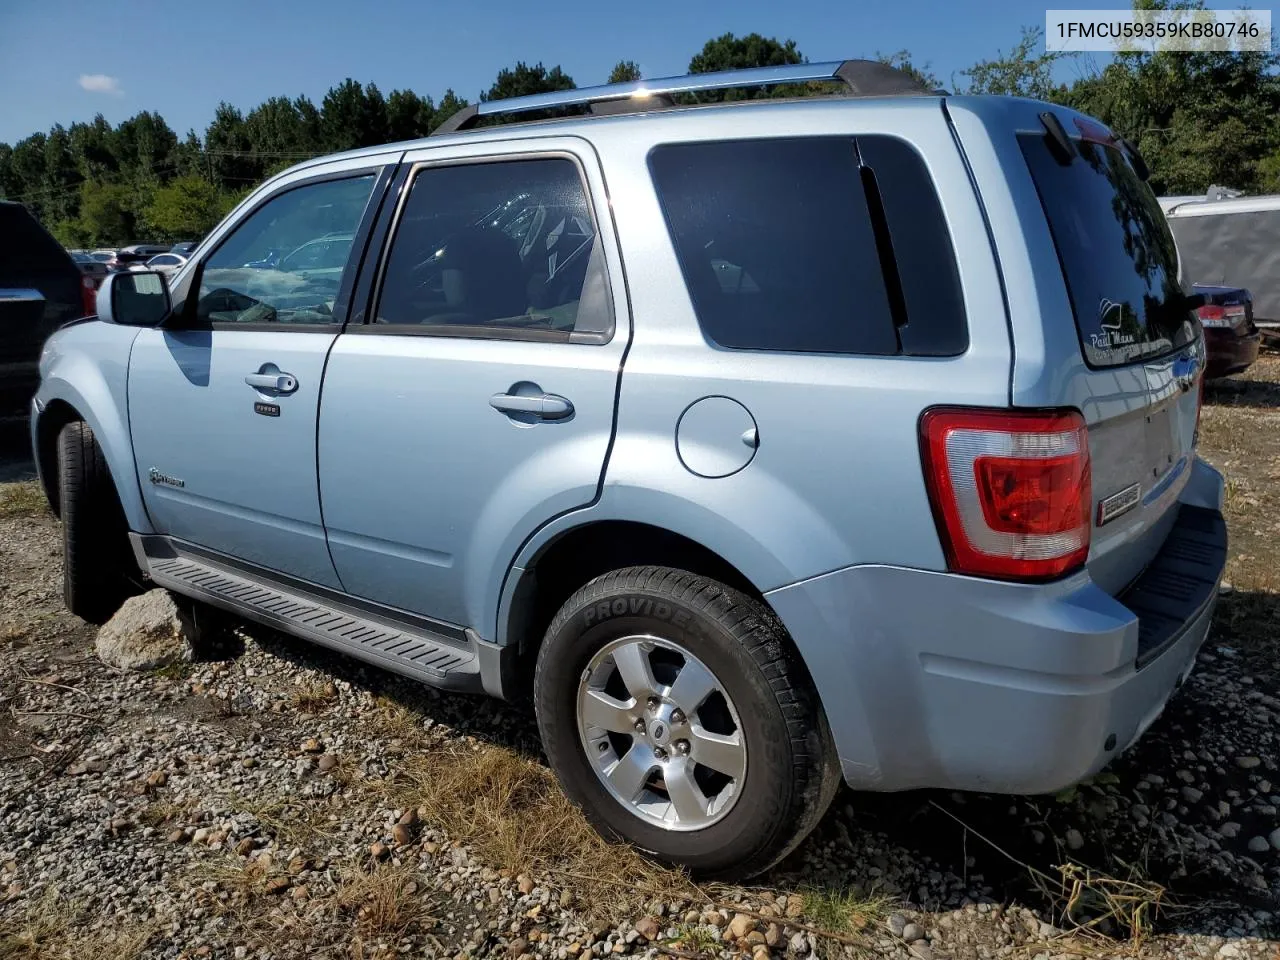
(385, 638)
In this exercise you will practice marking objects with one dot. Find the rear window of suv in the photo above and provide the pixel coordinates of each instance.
(1118, 257)
(815, 244)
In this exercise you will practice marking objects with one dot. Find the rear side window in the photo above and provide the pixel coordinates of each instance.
(797, 245)
(1117, 254)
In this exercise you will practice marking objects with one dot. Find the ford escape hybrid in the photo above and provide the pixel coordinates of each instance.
(764, 443)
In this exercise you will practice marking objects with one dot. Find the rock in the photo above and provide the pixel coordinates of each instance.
(753, 938)
(300, 892)
(178, 836)
(773, 936)
(897, 924)
(278, 885)
(518, 946)
(912, 932)
(378, 850)
(147, 633)
(1191, 794)
(649, 928)
(1229, 830)
(1075, 839)
(1248, 763)
(410, 818)
(798, 944)
(921, 950)
(157, 779)
(1274, 838)
(327, 762)
(402, 835)
(760, 952)
(795, 906)
(1259, 845)
(714, 918)
(312, 745)
(201, 835)
(244, 847)
(248, 763)
(741, 925)
(524, 884)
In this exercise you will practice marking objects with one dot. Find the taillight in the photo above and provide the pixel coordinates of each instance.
(1212, 315)
(88, 296)
(1010, 491)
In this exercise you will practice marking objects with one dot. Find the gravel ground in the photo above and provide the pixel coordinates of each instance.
(273, 800)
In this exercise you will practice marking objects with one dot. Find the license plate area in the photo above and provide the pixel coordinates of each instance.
(1162, 446)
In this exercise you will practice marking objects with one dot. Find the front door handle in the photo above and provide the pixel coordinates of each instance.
(275, 382)
(544, 406)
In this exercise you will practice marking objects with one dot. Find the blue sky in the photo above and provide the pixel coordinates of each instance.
(62, 60)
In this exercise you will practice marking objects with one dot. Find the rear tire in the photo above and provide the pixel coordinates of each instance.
(98, 568)
(756, 748)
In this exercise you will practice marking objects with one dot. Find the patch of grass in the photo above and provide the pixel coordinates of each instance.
(45, 930)
(315, 698)
(293, 823)
(513, 814)
(164, 812)
(22, 500)
(385, 901)
(844, 910)
(1092, 900)
(175, 672)
(695, 938)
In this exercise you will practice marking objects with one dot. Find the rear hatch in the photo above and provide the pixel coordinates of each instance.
(40, 289)
(1104, 324)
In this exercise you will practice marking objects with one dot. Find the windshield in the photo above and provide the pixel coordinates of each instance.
(1117, 255)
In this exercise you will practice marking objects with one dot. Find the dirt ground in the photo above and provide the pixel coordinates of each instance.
(277, 801)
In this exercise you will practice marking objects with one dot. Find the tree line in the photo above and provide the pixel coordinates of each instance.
(1198, 119)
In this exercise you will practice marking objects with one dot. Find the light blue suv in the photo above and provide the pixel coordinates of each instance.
(763, 443)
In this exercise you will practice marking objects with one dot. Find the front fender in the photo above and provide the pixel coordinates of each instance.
(87, 367)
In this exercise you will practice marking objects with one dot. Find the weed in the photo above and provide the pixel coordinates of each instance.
(844, 910)
(22, 500)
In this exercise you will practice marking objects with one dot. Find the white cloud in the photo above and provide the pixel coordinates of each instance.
(101, 83)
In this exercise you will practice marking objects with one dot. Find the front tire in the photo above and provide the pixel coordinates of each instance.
(677, 714)
(97, 565)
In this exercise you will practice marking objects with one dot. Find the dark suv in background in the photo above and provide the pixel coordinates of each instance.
(41, 288)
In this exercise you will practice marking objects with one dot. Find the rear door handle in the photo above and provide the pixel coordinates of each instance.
(544, 406)
(275, 382)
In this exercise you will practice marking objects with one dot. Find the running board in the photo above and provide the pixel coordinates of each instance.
(378, 637)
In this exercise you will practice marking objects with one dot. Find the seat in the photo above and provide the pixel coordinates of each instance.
(483, 278)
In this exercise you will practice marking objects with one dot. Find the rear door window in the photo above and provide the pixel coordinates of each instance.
(497, 249)
(813, 245)
(1117, 254)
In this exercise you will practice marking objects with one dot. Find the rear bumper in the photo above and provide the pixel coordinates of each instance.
(937, 680)
(1229, 352)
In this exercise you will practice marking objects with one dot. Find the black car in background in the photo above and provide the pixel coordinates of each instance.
(41, 288)
(1230, 335)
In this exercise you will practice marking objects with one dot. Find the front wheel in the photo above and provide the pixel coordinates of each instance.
(98, 568)
(677, 714)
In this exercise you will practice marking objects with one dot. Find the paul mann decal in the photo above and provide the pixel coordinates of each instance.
(1111, 320)
(157, 477)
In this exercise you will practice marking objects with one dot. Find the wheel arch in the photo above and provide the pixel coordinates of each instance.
(578, 554)
(64, 404)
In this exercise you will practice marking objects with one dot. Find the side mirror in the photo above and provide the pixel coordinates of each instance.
(134, 298)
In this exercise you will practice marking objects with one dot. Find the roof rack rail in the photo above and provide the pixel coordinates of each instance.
(864, 78)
